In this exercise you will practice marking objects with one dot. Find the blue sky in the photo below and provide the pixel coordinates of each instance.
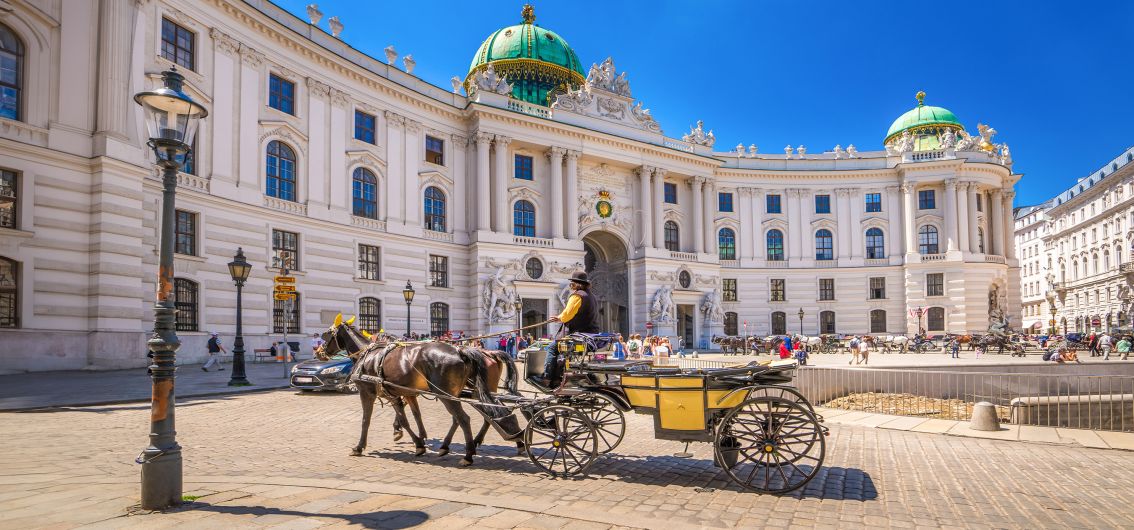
(1054, 78)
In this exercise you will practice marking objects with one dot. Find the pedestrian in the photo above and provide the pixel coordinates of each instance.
(1124, 347)
(955, 347)
(785, 351)
(1093, 345)
(1104, 346)
(502, 344)
(510, 345)
(619, 348)
(215, 348)
(662, 348)
(316, 343)
(634, 346)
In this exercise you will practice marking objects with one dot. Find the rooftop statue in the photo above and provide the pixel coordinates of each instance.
(605, 77)
(489, 81)
(697, 135)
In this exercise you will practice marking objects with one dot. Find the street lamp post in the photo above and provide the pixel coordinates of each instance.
(408, 293)
(919, 312)
(519, 304)
(801, 313)
(1054, 329)
(171, 120)
(239, 268)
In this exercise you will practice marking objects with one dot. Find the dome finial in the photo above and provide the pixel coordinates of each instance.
(920, 97)
(528, 12)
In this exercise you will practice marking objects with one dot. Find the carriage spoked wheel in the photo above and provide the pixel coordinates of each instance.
(770, 445)
(780, 391)
(608, 420)
(561, 441)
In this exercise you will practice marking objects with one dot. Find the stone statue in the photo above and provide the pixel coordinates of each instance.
(313, 14)
(563, 293)
(948, 139)
(905, 143)
(997, 315)
(967, 142)
(409, 62)
(697, 135)
(456, 81)
(801, 151)
(986, 134)
(498, 298)
(838, 151)
(712, 308)
(391, 55)
(1005, 154)
(336, 26)
(662, 307)
(752, 151)
(605, 77)
(739, 150)
(852, 151)
(490, 82)
(787, 151)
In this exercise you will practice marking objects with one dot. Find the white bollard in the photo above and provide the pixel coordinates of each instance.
(984, 417)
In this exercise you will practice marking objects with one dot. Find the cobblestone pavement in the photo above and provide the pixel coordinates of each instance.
(280, 459)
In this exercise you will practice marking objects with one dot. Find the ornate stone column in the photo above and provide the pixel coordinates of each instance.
(646, 204)
(571, 198)
(895, 238)
(698, 184)
(415, 155)
(963, 216)
(395, 169)
(483, 186)
(759, 246)
(248, 167)
(974, 225)
(339, 187)
(500, 195)
(854, 227)
(659, 199)
(708, 201)
(459, 208)
(950, 215)
(225, 61)
(908, 206)
(843, 215)
(1006, 234)
(995, 220)
(555, 158)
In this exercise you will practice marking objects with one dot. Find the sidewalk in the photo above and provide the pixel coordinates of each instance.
(37, 390)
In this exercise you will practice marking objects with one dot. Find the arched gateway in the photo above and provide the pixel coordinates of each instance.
(605, 263)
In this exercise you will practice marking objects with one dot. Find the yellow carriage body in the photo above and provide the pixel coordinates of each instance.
(682, 405)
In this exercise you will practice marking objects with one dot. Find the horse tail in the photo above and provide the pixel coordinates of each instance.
(511, 376)
(475, 358)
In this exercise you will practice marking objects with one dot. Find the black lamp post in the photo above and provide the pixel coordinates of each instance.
(919, 312)
(1054, 330)
(238, 268)
(801, 313)
(171, 119)
(408, 293)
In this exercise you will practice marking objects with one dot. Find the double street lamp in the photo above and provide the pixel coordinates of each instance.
(238, 268)
(171, 119)
(408, 293)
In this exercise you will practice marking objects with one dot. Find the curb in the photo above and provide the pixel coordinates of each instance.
(47, 408)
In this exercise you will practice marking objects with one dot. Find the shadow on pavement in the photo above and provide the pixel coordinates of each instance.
(393, 519)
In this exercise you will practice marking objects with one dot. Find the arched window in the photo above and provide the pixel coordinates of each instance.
(980, 239)
(281, 171)
(11, 70)
(779, 323)
(369, 314)
(726, 243)
(185, 301)
(1106, 260)
(826, 322)
(730, 324)
(775, 245)
(435, 209)
(523, 219)
(927, 239)
(1075, 270)
(438, 318)
(1094, 264)
(9, 294)
(1117, 255)
(935, 321)
(824, 245)
(672, 237)
(877, 321)
(365, 191)
(875, 244)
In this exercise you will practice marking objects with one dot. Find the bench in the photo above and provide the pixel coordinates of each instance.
(259, 354)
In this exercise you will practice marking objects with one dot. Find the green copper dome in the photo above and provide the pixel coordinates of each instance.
(924, 119)
(535, 60)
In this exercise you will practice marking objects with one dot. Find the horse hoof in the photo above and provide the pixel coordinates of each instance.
(443, 451)
(397, 435)
(356, 452)
(420, 451)
(465, 462)
(519, 451)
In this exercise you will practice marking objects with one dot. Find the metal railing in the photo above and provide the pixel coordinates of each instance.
(1097, 402)
(690, 362)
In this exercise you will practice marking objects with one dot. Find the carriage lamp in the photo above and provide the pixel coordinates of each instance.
(239, 269)
(171, 118)
(408, 293)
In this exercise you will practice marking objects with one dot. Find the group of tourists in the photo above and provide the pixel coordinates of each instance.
(1102, 344)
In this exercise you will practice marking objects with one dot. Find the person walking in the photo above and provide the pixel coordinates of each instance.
(1123, 347)
(1104, 346)
(619, 348)
(634, 347)
(215, 349)
(955, 347)
(510, 345)
(1093, 345)
(663, 348)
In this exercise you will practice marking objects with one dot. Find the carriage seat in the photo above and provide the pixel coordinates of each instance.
(613, 366)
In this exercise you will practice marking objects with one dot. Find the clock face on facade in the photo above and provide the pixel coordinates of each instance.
(684, 280)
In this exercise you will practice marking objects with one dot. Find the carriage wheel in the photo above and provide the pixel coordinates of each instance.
(561, 441)
(770, 444)
(782, 392)
(608, 420)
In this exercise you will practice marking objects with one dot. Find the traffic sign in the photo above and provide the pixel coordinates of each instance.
(285, 296)
(285, 288)
(649, 325)
(284, 279)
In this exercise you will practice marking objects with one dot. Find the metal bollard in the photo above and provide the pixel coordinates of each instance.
(984, 417)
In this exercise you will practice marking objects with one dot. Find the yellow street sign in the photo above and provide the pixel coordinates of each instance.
(284, 279)
(285, 289)
(285, 296)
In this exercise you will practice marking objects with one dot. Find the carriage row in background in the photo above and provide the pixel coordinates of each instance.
(888, 343)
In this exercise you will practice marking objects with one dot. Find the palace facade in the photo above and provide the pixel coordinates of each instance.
(361, 177)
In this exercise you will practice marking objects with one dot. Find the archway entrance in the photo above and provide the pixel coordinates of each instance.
(605, 263)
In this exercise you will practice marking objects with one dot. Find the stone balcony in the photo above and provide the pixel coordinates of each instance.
(541, 242)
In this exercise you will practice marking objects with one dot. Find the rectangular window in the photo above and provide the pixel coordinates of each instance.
(926, 200)
(364, 126)
(670, 190)
(281, 94)
(185, 233)
(177, 44)
(523, 169)
(369, 262)
(9, 294)
(189, 167)
(282, 318)
(873, 202)
(728, 289)
(827, 322)
(822, 204)
(438, 271)
(772, 203)
(185, 302)
(935, 284)
(724, 202)
(877, 288)
(435, 150)
(8, 195)
(285, 250)
(826, 289)
(778, 292)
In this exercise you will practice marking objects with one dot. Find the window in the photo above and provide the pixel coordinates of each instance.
(523, 168)
(281, 171)
(731, 327)
(285, 250)
(877, 289)
(365, 190)
(670, 192)
(534, 268)
(523, 219)
(826, 289)
(364, 127)
(775, 245)
(779, 323)
(434, 150)
(824, 245)
(435, 209)
(728, 290)
(438, 318)
(875, 244)
(369, 262)
(778, 293)
(935, 284)
(873, 202)
(927, 239)
(438, 271)
(9, 293)
(726, 243)
(281, 316)
(877, 321)
(826, 322)
(772, 203)
(724, 202)
(936, 319)
(185, 302)
(926, 200)
(672, 236)
(177, 44)
(822, 204)
(281, 94)
(8, 196)
(185, 233)
(11, 68)
(369, 314)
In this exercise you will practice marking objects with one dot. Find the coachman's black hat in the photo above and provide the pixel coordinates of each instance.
(580, 277)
